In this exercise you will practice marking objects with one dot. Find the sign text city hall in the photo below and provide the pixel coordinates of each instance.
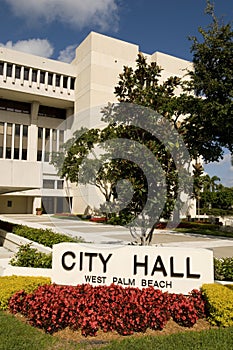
(172, 269)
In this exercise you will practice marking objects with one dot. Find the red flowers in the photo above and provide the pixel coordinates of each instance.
(125, 310)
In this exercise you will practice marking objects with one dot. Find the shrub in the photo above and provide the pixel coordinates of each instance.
(223, 269)
(31, 257)
(219, 306)
(46, 237)
(110, 308)
(11, 284)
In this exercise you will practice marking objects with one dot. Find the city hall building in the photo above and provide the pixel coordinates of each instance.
(42, 101)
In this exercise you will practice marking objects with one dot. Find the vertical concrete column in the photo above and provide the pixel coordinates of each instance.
(37, 203)
(33, 133)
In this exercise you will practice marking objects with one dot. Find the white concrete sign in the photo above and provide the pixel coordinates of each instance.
(172, 269)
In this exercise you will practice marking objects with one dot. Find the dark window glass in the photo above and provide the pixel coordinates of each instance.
(17, 129)
(49, 184)
(1, 152)
(65, 79)
(17, 72)
(50, 79)
(26, 73)
(34, 75)
(52, 112)
(58, 77)
(40, 133)
(39, 156)
(24, 154)
(25, 130)
(9, 204)
(72, 81)
(15, 106)
(9, 70)
(1, 68)
(47, 134)
(60, 184)
(42, 77)
(8, 152)
(16, 153)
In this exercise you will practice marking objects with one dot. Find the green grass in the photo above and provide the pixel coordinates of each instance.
(205, 231)
(17, 335)
(214, 339)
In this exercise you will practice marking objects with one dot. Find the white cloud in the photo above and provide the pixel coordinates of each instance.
(39, 47)
(68, 54)
(78, 13)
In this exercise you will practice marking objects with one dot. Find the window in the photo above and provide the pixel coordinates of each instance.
(61, 139)
(42, 77)
(9, 204)
(65, 79)
(50, 184)
(8, 140)
(24, 154)
(13, 141)
(15, 106)
(52, 112)
(39, 144)
(58, 78)
(1, 138)
(1, 68)
(17, 141)
(50, 79)
(17, 72)
(49, 140)
(34, 75)
(17, 129)
(25, 130)
(26, 73)
(72, 81)
(9, 70)
(60, 184)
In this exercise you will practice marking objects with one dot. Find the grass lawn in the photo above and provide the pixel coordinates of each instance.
(214, 339)
(17, 335)
(206, 232)
(202, 229)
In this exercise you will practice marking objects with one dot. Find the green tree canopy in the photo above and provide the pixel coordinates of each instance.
(208, 124)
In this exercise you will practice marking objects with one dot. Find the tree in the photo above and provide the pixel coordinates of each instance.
(208, 124)
(219, 198)
(155, 187)
(209, 186)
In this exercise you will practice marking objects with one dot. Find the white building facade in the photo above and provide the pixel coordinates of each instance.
(42, 101)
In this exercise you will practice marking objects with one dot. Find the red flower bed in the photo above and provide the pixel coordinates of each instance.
(125, 310)
(102, 219)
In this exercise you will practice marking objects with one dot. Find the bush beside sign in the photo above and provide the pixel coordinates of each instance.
(172, 269)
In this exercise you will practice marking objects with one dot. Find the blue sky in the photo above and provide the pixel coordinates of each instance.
(53, 28)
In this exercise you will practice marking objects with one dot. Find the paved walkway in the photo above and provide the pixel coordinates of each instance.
(106, 234)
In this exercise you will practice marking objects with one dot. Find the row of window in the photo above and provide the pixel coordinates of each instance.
(49, 140)
(53, 184)
(13, 141)
(36, 75)
(24, 107)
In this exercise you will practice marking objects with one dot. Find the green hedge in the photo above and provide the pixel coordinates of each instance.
(223, 269)
(43, 236)
(219, 304)
(9, 285)
(31, 257)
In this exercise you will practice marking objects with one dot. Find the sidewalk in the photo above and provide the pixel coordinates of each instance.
(106, 234)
